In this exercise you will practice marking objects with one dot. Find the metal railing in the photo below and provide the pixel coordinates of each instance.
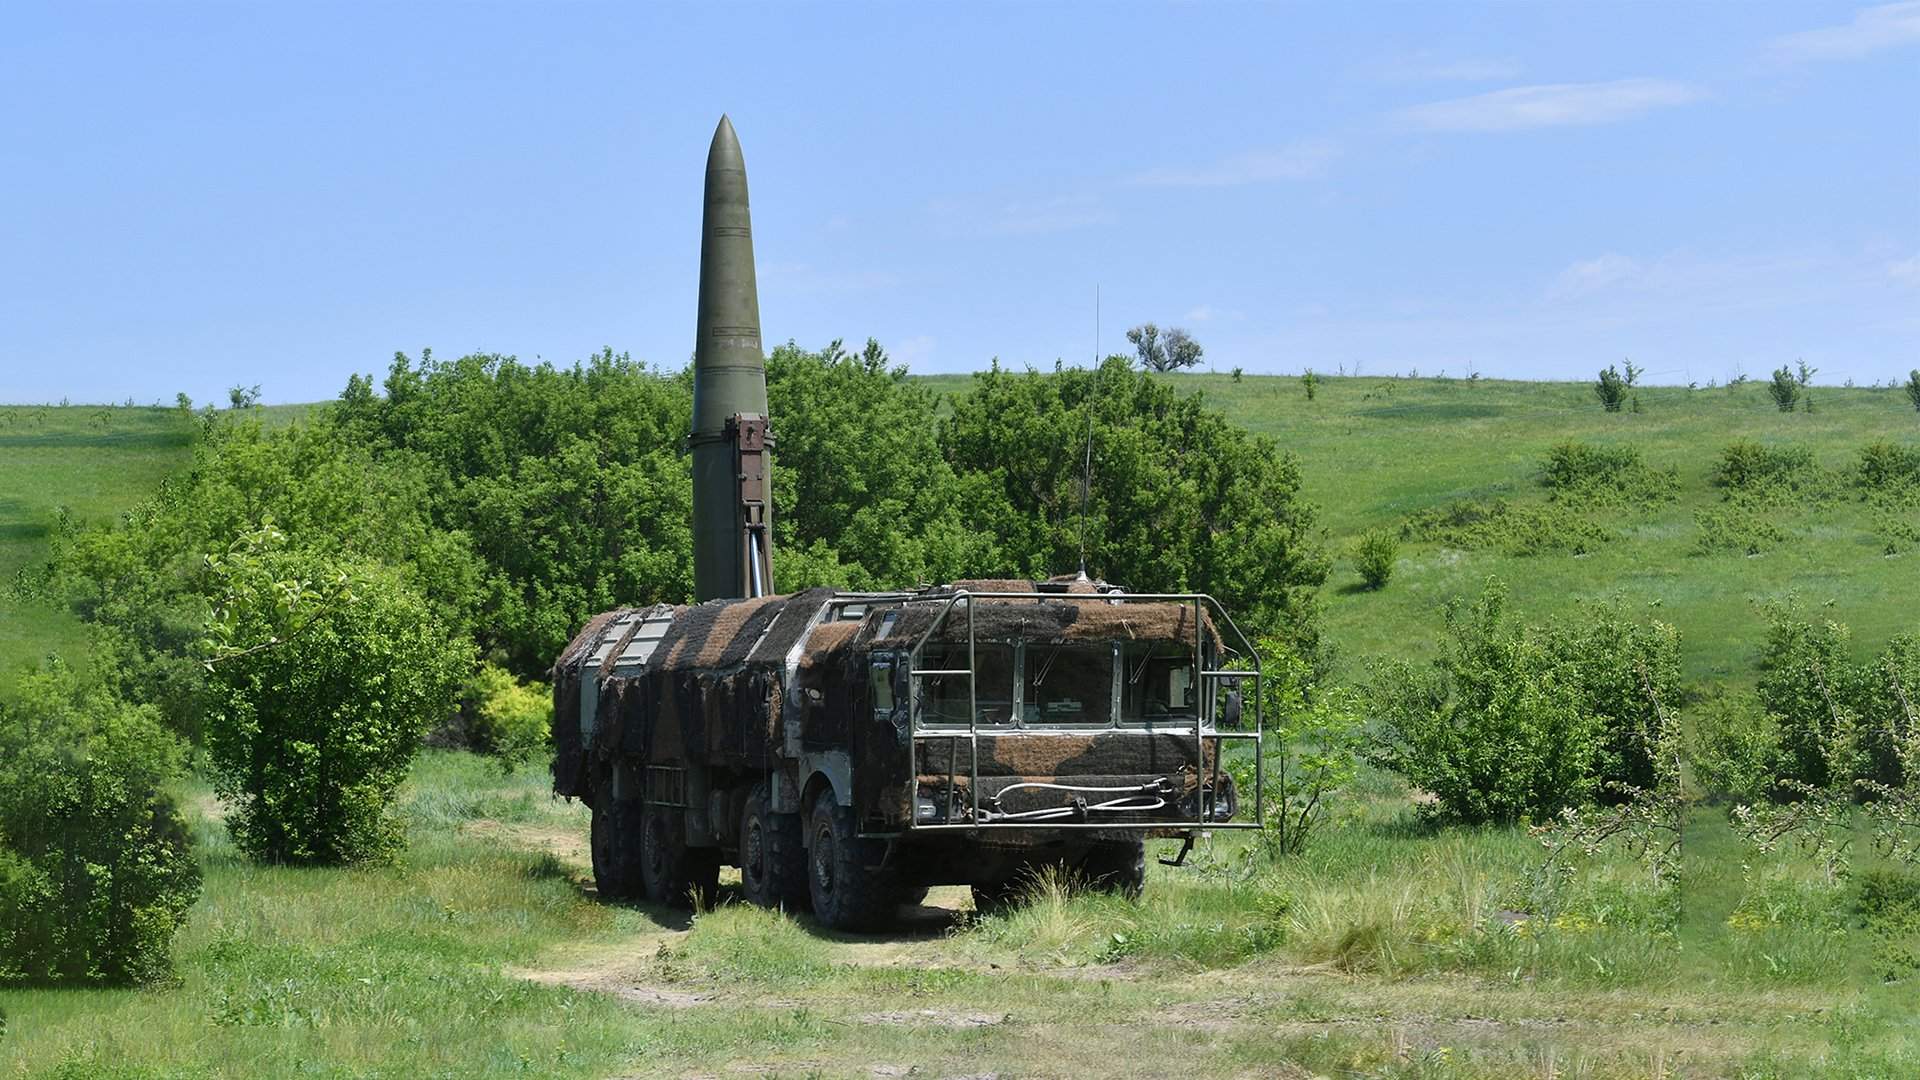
(1205, 794)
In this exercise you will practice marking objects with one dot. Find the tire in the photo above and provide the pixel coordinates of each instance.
(850, 889)
(614, 839)
(773, 863)
(1116, 867)
(674, 874)
(994, 897)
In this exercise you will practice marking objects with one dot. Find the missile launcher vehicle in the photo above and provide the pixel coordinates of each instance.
(848, 750)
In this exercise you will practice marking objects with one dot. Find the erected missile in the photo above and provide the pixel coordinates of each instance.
(732, 496)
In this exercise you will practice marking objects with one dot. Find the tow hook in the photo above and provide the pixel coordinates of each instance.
(1186, 845)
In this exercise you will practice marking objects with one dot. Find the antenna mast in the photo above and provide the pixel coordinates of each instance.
(1086, 468)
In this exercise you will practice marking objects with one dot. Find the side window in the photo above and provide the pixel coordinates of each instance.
(880, 686)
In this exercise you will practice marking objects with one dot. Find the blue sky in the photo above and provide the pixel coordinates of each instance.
(284, 194)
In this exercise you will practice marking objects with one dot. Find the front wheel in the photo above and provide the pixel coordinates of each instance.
(773, 864)
(614, 838)
(1116, 867)
(675, 875)
(851, 890)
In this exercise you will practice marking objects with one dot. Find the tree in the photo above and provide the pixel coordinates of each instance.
(1913, 388)
(1611, 389)
(1311, 382)
(1176, 350)
(325, 675)
(1181, 498)
(243, 397)
(1784, 388)
(96, 872)
(1805, 378)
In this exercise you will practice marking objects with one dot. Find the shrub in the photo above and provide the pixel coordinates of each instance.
(1320, 732)
(1913, 388)
(1375, 557)
(506, 717)
(323, 678)
(1806, 681)
(1606, 475)
(1516, 529)
(1785, 389)
(1311, 382)
(1611, 389)
(1625, 673)
(1738, 528)
(1734, 745)
(1889, 468)
(96, 873)
(1496, 731)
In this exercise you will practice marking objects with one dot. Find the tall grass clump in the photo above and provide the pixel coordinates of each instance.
(96, 872)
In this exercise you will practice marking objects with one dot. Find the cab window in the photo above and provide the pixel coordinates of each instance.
(1068, 684)
(1157, 682)
(943, 698)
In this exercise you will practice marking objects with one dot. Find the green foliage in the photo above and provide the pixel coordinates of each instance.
(1586, 474)
(1311, 382)
(1174, 350)
(1912, 387)
(1784, 389)
(1321, 733)
(1749, 467)
(1495, 731)
(1734, 745)
(506, 717)
(1889, 468)
(1181, 499)
(1806, 683)
(96, 873)
(1741, 526)
(1517, 529)
(1375, 555)
(324, 677)
(1611, 389)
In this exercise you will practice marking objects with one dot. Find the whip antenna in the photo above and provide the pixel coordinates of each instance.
(1086, 467)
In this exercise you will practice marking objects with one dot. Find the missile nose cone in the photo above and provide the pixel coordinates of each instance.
(725, 150)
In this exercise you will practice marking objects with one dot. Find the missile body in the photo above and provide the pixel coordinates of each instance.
(732, 505)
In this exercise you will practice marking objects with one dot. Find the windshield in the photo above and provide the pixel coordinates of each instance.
(1158, 682)
(1068, 684)
(943, 698)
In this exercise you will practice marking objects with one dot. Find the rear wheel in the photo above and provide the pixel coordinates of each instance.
(851, 890)
(614, 838)
(773, 864)
(994, 897)
(675, 874)
(1116, 867)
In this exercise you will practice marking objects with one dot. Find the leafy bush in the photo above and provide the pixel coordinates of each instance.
(1515, 528)
(1578, 472)
(324, 677)
(96, 873)
(1889, 468)
(1611, 389)
(1806, 684)
(1739, 527)
(1734, 746)
(1321, 734)
(1912, 388)
(1785, 389)
(1375, 556)
(1626, 673)
(1748, 466)
(506, 717)
(1496, 731)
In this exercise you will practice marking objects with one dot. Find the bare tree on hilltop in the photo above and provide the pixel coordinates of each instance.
(1169, 351)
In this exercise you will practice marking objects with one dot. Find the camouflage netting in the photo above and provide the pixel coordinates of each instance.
(1055, 619)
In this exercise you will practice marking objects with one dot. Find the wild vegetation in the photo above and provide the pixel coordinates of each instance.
(1616, 810)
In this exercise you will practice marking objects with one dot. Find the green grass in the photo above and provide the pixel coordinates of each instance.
(95, 462)
(1387, 950)
(1375, 450)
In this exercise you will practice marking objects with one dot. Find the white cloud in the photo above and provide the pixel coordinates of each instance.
(1203, 313)
(1554, 105)
(1907, 270)
(1593, 275)
(1888, 26)
(1427, 66)
(1301, 160)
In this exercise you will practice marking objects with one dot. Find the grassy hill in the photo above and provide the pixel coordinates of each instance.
(94, 461)
(1375, 450)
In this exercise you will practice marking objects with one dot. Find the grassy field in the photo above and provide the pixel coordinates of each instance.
(1375, 450)
(1388, 951)
(94, 461)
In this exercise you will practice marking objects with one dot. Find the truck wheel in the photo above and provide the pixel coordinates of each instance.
(614, 838)
(675, 875)
(850, 889)
(773, 864)
(994, 897)
(1120, 868)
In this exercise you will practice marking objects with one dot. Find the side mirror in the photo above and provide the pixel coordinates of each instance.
(1231, 714)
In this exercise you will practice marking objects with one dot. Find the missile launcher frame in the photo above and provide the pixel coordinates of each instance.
(848, 750)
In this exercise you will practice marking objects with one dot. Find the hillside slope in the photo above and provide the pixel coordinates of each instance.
(1376, 450)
